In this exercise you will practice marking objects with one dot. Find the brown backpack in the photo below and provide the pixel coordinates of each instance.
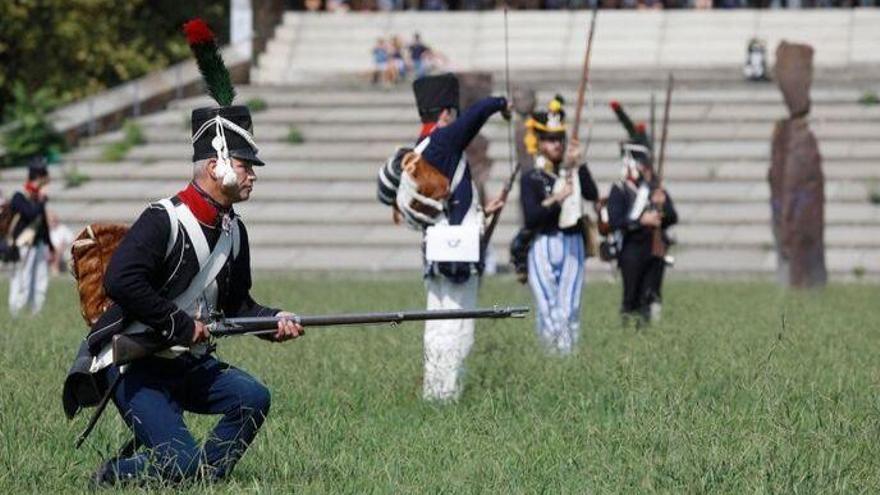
(6, 217)
(91, 252)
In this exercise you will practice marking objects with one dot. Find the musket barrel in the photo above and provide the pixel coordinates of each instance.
(258, 325)
(128, 348)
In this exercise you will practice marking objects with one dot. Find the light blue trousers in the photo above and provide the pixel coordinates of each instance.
(556, 277)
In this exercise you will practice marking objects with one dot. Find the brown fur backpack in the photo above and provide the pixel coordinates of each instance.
(91, 252)
(431, 182)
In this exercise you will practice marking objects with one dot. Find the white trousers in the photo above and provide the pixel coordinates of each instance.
(447, 342)
(556, 277)
(30, 279)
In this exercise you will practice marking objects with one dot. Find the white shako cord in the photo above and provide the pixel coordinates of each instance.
(219, 144)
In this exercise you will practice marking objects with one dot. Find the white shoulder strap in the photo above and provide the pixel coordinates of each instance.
(207, 273)
(422, 145)
(175, 226)
(459, 174)
(194, 232)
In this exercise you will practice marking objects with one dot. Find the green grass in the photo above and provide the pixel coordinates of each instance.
(869, 98)
(294, 136)
(74, 178)
(256, 105)
(721, 397)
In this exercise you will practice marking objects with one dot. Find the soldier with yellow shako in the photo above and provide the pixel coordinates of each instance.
(552, 196)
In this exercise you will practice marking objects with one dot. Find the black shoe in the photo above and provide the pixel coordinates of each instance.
(104, 476)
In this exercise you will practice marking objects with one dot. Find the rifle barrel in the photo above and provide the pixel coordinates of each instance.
(264, 325)
(661, 162)
(505, 192)
(585, 75)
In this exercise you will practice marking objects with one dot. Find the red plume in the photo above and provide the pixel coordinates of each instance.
(615, 105)
(641, 127)
(198, 32)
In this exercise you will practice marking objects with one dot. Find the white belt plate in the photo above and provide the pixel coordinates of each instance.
(452, 243)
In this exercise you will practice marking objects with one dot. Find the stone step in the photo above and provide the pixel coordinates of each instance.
(368, 96)
(732, 192)
(603, 172)
(311, 47)
(317, 213)
(634, 77)
(378, 151)
(405, 113)
(497, 131)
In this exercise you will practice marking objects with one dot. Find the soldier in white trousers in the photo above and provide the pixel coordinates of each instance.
(30, 280)
(29, 232)
(430, 185)
(447, 342)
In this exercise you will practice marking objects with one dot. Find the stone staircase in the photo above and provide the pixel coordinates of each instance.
(310, 47)
(315, 208)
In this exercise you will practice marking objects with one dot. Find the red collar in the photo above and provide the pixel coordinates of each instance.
(204, 209)
(427, 128)
(32, 189)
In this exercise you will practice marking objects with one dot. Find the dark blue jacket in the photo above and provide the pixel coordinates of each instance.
(448, 144)
(536, 185)
(444, 151)
(142, 282)
(620, 203)
(30, 210)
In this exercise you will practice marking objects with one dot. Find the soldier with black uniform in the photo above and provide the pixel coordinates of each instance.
(636, 209)
(184, 259)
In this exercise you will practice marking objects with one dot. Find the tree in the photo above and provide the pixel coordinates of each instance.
(73, 48)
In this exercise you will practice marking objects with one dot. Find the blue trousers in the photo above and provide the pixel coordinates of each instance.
(154, 393)
(556, 277)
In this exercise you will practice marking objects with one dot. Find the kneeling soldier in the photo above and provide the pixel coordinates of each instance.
(186, 258)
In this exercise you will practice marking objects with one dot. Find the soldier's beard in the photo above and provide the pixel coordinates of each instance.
(236, 192)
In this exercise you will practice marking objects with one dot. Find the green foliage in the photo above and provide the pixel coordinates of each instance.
(30, 132)
(294, 136)
(257, 105)
(859, 272)
(869, 98)
(721, 397)
(133, 135)
(73, 48)
(74, 178)
(115, 152)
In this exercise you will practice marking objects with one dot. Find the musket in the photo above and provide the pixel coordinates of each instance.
(128, 348)
(653, 125)
(585, 74)
(490, 228)
(508, 185)
(658, 247)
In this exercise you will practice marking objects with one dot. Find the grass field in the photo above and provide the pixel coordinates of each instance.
(719, 398)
